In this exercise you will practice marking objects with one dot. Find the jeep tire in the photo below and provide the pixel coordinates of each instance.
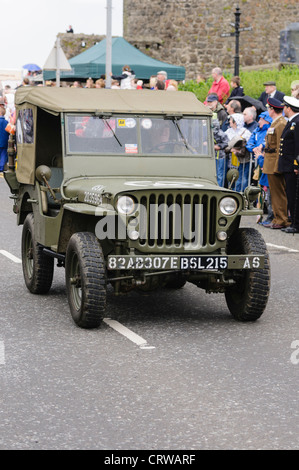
(85, 275)
(37, 267)
(247, 298)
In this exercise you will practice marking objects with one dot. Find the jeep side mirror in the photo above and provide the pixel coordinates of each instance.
(232, 176)
(43, 173)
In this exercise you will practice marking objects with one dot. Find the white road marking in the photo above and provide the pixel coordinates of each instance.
(123, 330)
(2, 353)
(10, 256)
(290, 250)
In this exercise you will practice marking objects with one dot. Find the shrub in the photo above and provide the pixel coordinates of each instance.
(252, 81)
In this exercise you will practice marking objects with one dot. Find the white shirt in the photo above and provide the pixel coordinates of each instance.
(292, 117)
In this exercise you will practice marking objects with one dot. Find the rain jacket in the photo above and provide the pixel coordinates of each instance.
(221, 89)
(241, 130)
(125, 80)
(258, 137)
(220, 138)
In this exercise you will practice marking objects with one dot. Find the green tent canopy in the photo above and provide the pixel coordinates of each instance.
(92, 63)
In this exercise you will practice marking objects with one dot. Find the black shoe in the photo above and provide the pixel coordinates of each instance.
(290, 230)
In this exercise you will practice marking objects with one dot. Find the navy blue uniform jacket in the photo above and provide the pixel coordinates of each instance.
(289, 146)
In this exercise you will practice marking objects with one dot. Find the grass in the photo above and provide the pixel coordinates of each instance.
(252, 81)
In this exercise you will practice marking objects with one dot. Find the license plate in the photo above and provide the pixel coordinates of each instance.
(203, 262)
(168, 262)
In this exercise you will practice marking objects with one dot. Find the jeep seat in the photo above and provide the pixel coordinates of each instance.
(55, 183)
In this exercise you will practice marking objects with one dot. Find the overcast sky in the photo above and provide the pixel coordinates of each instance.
(29, 27)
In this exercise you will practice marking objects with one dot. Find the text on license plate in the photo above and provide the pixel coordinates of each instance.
(167, 262)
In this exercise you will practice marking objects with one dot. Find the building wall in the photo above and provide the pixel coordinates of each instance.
(187, 32)
(74, 44)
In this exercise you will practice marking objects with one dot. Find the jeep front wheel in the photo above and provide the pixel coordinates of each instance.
(247, 297)
(85, 280)
(38, 268)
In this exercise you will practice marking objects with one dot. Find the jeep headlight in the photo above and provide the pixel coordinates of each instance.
(125, 205)
(228, 205)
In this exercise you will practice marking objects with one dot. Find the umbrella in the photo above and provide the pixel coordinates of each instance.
(246, 101)
(32, 67)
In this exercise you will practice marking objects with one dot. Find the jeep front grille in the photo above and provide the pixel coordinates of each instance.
(181, 221)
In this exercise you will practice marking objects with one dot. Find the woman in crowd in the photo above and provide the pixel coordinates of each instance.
(295, 89)
(237, 135)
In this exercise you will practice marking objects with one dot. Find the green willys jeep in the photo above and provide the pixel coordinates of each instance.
(119, 186)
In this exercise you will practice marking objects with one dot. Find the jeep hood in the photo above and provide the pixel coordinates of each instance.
(88, 189)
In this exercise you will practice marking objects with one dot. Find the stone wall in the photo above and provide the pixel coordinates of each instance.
(74, 44)
(187, 32)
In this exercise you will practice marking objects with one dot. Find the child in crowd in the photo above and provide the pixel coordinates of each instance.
(237, 89)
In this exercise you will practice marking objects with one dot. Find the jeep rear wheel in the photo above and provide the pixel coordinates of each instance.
(247, 298)
(85, 280)
(38, 268)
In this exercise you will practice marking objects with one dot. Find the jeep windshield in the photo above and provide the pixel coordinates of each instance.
(136, 135)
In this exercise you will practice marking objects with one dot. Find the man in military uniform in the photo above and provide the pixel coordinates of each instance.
(276, 179)
(289, 159)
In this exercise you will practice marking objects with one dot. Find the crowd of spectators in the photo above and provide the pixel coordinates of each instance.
(260, 139)
(126, 80)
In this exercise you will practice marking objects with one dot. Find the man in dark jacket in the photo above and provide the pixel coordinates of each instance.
(217, 108)
(289, 159)
(270, 92)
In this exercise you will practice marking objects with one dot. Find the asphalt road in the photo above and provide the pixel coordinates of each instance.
(196, 380)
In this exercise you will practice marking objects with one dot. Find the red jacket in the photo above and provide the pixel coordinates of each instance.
(221, 89)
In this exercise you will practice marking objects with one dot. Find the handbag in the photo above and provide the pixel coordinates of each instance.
(238, 143)
(234, 160)
(242, 153)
